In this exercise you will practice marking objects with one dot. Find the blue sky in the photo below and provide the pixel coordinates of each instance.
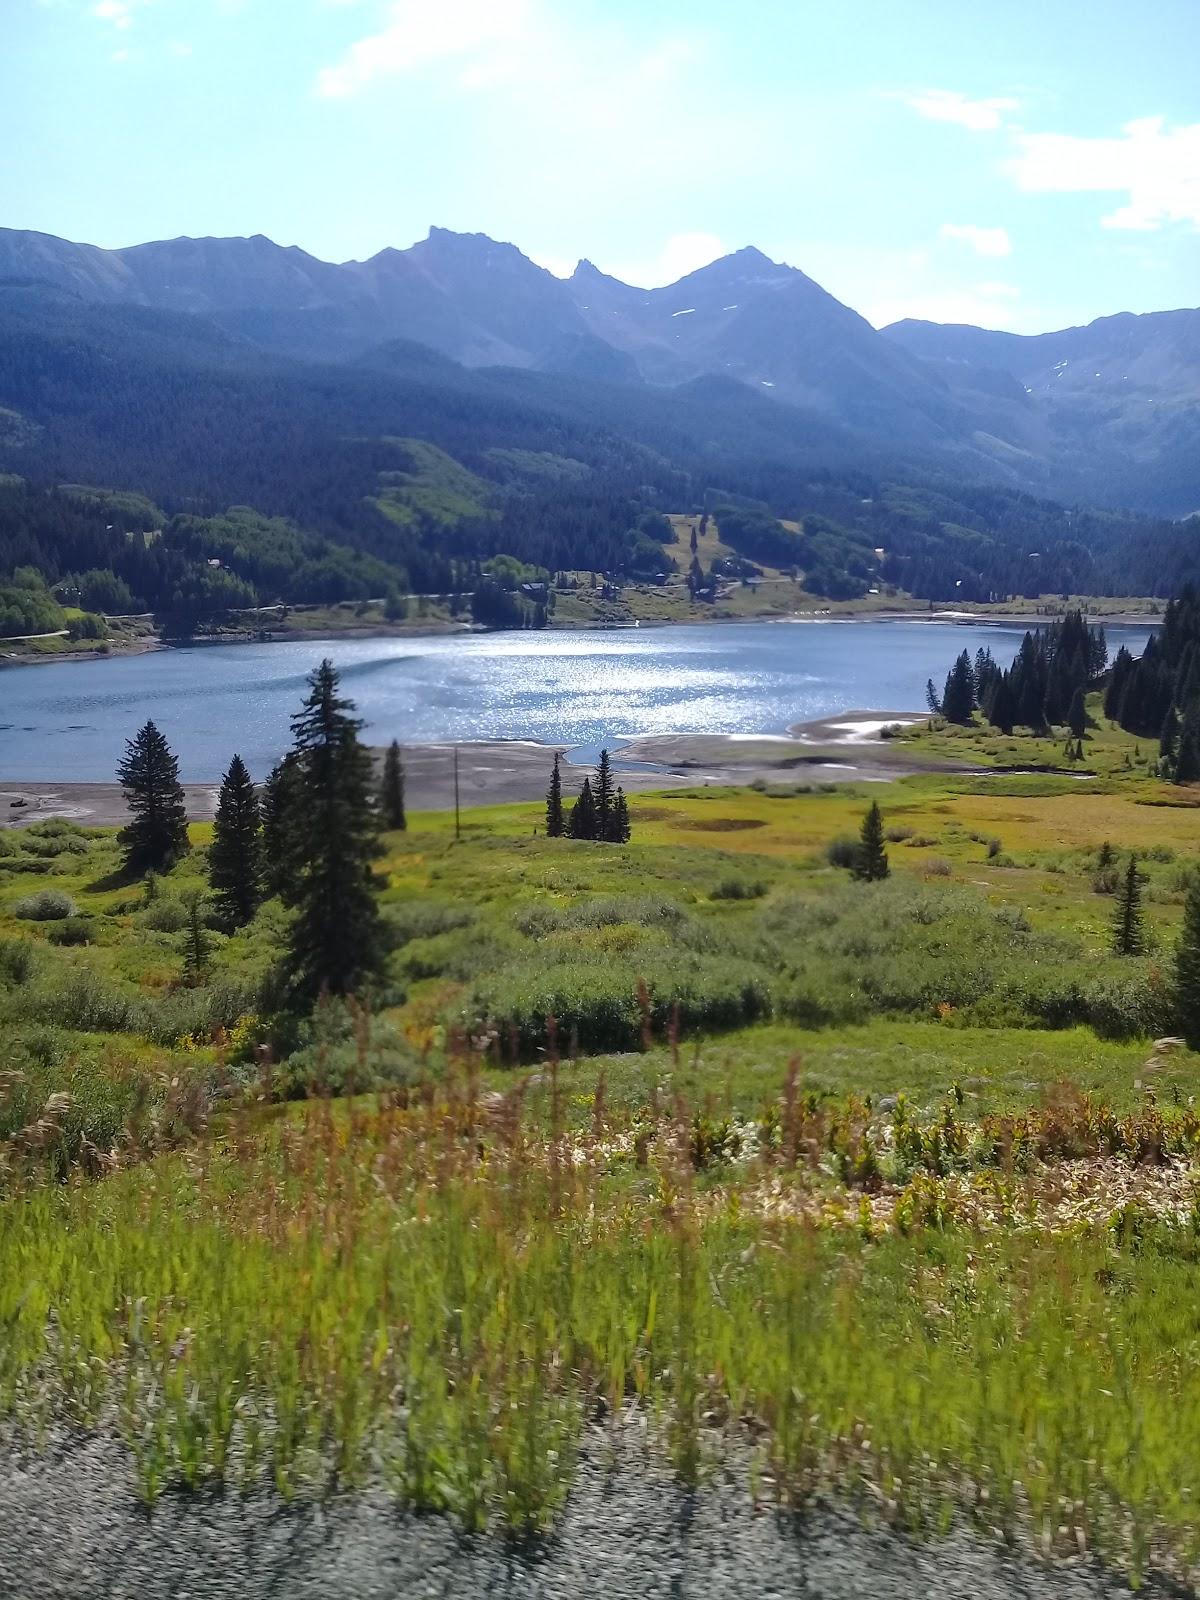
(1023, 165)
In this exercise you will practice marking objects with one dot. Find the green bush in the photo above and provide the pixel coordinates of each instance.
(71, 931)
(594, 998)
(843, 852)
(425, 919)
(601, 911)
(164, 914)
(739, 889)
(341, 1052)
(17, 961)
(461, 955)
(48, 905)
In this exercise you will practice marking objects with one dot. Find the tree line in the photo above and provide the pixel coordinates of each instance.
(1044, 687)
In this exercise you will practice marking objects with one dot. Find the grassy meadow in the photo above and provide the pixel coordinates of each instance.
(879, 1189)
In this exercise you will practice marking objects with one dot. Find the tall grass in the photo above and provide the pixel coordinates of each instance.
(444, 1288)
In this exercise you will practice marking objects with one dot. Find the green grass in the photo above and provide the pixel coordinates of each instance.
(431, 484)
(878, 1188)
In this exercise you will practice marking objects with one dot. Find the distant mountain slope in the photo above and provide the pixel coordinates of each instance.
(1109, 413)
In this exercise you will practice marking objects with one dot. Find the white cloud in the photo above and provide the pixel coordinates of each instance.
(681, 253)
(984, 305)
(416, 33)
(1156, 168)
(984, 241)
(948, 105)
(118, 12)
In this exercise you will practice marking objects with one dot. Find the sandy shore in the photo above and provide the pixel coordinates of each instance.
(489, 773)
(842, 748)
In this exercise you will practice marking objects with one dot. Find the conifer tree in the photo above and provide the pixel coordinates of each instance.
(1187, 757)
(1187, 967)
(872, 863)
(958, 697)
(391, 793)
(604, 795)
(1128, 938)
(336, 941)
(156, 834)
(1077, 715)
(282, 800)
(195, 949)
(582, 821)
(1168, 738)
(554, 803)
(1104, 879)
(235, 855)
(621, 829)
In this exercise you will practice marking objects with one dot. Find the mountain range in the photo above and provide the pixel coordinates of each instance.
(1107, 414)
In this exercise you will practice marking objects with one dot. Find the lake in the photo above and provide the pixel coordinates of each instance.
(69, 721)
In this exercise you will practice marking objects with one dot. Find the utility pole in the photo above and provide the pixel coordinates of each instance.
(457, 821)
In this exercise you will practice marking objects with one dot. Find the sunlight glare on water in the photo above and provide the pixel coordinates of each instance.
(70, 720)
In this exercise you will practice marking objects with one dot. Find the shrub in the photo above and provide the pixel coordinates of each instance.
(424, 919)
(71, 931)
(937, 867)
(164, 914)
(17, 961)
(342, 1050)
(739, 889)
(601, 911)
(48, 905)
(597, 999)
(899, 834)
(842, 852)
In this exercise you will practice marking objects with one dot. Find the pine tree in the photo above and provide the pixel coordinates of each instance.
(1187, 757)
(604, 795)
(235, 855)
(931, 698)
(1187, 967)
(1128, 938)
(1077, 715)
(554, 804)
(335, 941)
(872, 862)
(958, 697)
(282, 801)
(582, 821)
(1168, 738)
(391, 794)
(621, 829)
(195, 949)
(156, 834)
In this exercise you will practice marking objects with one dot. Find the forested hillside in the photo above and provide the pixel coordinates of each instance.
(241, 477)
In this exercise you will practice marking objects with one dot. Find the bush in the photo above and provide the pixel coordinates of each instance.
(164, 914)
(842, 852)
(71, 931)
(739, 889)
(601, 911)
(936, 867)
(343, 1051)
(17, 961)
(48, 905)
(596, 999)
(424, 919)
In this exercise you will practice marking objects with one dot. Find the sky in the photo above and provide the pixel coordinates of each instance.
(1021, 164)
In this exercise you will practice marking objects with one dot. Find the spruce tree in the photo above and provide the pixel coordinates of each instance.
(554, 804)
(195, 948)
(871, 863)
(958, 697)
(621, 829)
(336, 942)
(604, 794)
(1128, 938)
(1168, 739)
(235, 855)
(1077, 715)
(582, 821)
(1187, 968)
(1187, 756)
(391, 793)
(282, 801)
(156, 834)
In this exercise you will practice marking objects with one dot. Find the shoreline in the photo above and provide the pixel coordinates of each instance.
(841, 748)
(441, 629)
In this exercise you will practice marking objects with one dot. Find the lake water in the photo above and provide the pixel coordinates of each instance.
(70, 721)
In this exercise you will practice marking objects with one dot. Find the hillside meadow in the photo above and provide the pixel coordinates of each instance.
(879, 1189)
